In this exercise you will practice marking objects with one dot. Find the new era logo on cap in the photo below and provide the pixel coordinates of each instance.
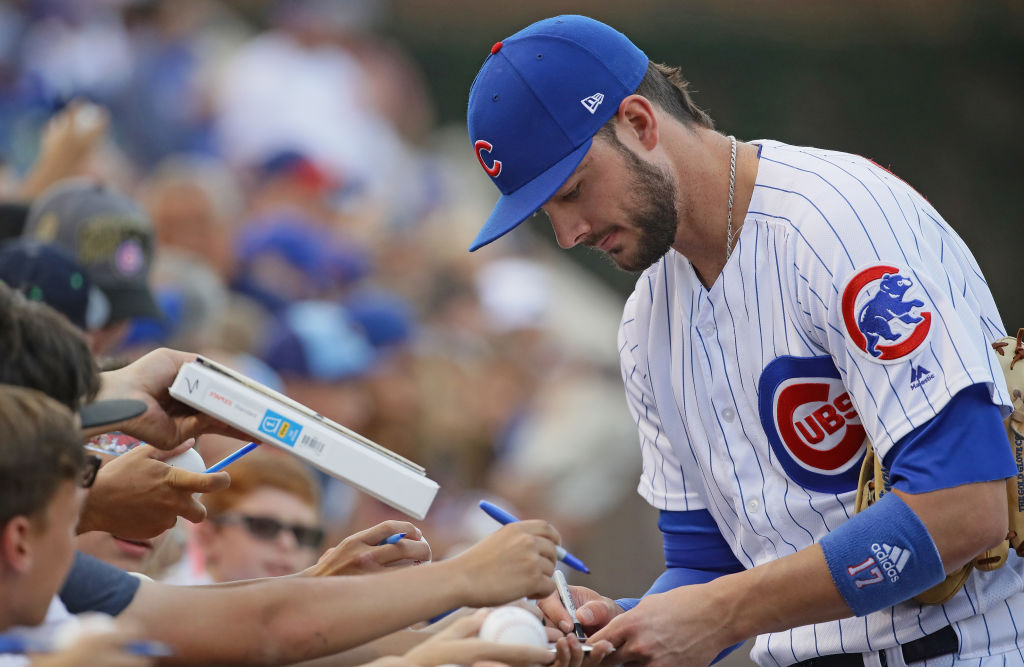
(592, 102)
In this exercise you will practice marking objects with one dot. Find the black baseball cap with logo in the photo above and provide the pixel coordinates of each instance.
(109, 235)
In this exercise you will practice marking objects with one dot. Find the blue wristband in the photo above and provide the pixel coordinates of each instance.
(882, 556)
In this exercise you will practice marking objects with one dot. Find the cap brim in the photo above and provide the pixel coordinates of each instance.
(113, 411)
(517, 206)
(130, 302)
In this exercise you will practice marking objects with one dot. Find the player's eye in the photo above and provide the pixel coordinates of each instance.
(572, 194)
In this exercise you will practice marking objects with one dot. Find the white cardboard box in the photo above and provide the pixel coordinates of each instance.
(274, 419)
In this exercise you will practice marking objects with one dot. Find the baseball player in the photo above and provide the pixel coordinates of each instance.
(796, 307)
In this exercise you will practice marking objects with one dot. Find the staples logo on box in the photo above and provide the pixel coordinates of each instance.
(218, 397)
(279, 428)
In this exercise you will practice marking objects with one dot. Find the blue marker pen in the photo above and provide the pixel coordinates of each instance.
(232, 457)
(391, 540)
(504, 518)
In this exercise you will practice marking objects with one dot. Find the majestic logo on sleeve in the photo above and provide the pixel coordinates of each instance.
(480, 146)
(811, 423)
(882, 314)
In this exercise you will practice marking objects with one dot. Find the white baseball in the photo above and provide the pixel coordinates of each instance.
(513, 625)
(188, 460)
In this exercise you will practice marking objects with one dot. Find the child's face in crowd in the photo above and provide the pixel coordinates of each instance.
(238, 549)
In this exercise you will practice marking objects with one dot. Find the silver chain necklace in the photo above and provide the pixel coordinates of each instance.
(732, 192)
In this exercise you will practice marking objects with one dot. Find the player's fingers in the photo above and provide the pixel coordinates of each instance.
(197, 482)
(616, 632)
(602, 649)
(597, 613)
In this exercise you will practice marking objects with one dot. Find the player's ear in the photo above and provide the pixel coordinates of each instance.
(637, 113)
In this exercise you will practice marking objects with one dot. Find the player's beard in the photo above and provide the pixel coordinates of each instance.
(653, 213)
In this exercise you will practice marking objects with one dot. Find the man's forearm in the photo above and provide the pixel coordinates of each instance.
(293, 619)
(782, 604)
(817, 599)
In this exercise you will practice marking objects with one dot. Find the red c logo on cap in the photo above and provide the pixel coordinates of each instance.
(482, 146)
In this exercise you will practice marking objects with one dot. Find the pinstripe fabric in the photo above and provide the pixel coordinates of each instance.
(694, 363)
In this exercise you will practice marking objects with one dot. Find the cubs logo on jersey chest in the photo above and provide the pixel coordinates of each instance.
(811, 423)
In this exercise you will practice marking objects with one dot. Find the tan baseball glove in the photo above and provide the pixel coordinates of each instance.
(874, 479)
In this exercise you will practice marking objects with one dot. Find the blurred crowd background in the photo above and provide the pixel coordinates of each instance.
(306, 194)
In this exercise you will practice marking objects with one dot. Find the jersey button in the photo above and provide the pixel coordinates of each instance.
(753, 506)
(707, 330)
(728, 414)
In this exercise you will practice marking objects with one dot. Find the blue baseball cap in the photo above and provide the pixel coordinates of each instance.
(317, 340)
(536, 104)
(49, 273)
(386, 318)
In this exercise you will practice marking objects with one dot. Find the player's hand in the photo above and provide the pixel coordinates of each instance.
(677, 627)
(458, 644)
(593, 610)
(513, 562)
(362, 553)
(138, 496)
(166, 421)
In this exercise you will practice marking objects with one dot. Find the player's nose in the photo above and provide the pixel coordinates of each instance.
(569, 230)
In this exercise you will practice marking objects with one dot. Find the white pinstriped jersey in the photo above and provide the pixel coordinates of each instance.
(848, 307)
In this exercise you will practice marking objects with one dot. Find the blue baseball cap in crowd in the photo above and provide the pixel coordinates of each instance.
(536, 104)
(47, 272)
(387, 319)
(317, 340)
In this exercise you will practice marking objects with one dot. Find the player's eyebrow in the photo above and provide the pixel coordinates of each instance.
(573, 177)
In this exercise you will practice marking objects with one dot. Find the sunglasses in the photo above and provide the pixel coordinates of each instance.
(266, 528)
(87, 475)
